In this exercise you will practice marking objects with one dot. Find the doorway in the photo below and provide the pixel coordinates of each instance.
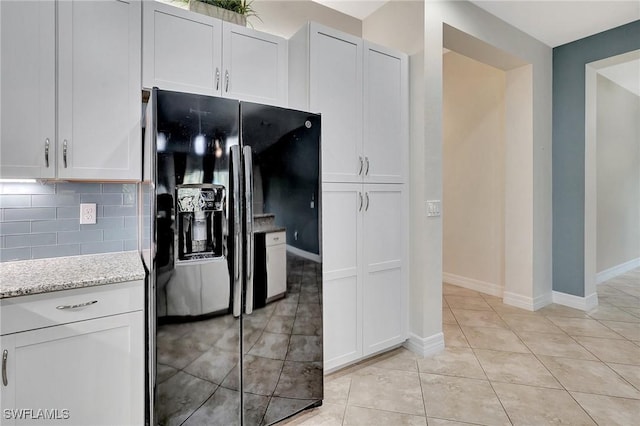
(493, 236)
(612, 170)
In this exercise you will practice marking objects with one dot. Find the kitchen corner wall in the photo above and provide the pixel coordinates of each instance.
(43, 220)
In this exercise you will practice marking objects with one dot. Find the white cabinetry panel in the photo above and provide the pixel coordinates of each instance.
(384, 290)
(386, 106)
(182, 50)
(27, 89)
(96, 67)
(342, 284)
(88, 359)
(190, 52)
(99, 90)
(336, 92)
(94, 369)
(255, 66)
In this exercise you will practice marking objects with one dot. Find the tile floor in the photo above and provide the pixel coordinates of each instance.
(501, 366)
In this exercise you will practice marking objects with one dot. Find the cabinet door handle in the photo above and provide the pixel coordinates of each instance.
(361, 201)
(361, 166)
(46, 152)
(366, 195)
(64, 153)
(217, 78)
(79, 305)
(226, 81)
(5, 354)
(366, 170)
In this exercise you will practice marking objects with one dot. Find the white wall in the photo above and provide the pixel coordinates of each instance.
(618, 175)
(473, 173)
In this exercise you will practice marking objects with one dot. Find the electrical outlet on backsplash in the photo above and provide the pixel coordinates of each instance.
(39, 220)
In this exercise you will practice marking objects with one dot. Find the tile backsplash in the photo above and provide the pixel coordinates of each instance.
(39, 220)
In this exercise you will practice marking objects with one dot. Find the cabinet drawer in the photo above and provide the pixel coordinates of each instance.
(55, 308)
(274, 238)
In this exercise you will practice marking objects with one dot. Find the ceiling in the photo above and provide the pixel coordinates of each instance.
(552, 22)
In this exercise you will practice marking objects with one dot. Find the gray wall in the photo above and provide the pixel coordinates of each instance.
(569, 147)
(43, 220)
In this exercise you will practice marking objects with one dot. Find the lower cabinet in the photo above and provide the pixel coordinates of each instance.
(365, 288)
(86, 372)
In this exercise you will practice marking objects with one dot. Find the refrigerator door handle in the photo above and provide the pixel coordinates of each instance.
(248, 200)
(237, 241)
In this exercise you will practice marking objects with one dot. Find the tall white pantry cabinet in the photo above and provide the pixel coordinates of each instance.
(361, 90)
(70, 85)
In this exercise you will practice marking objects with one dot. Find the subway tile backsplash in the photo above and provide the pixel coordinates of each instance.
(39, 220)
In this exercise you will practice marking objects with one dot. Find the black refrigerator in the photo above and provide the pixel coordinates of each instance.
(231, 213)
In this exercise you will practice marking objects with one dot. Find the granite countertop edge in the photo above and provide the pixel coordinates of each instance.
(27, 277)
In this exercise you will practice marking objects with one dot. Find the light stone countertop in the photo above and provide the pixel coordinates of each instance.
(61, 273)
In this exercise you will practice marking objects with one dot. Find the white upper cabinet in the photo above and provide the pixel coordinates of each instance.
(386, 114)
(182, 50)
(361, 90)
(98, 90)
(27, 90)
(326, 77)
(255, 65)
(99, 134)
(190, 52)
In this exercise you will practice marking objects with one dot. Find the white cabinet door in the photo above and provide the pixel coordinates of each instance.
(386, 110)
(27, 89)
(99, 62)
(182, 50)
(336, 92)
(276, 270)
(255, 66)
(384, 306)
(94, 369)
(342, 281)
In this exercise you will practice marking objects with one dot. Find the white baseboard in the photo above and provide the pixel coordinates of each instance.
(620, 269)
(304, 254)
(425, 346)
(525, 302)
(473, 284)
(582, 303)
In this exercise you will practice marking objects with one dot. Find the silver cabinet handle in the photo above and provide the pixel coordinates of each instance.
(79, 305)
(366, 170)
(5, 354)
(366, 195)
(361, 201)
(276, 238)
(361, 165)
(226, 81)
(64, 153)
(217, 78)
(46, 152)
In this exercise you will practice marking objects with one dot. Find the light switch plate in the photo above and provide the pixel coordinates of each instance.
(87, 213)
(433, 208)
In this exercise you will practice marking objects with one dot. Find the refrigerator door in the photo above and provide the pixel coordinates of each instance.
(198, 261)
(282, 330)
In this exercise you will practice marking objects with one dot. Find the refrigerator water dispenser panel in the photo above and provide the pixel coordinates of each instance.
(201, 211)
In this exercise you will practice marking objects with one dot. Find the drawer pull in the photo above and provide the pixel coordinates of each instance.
(79, 305)
(4, 367)
(276, 238)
